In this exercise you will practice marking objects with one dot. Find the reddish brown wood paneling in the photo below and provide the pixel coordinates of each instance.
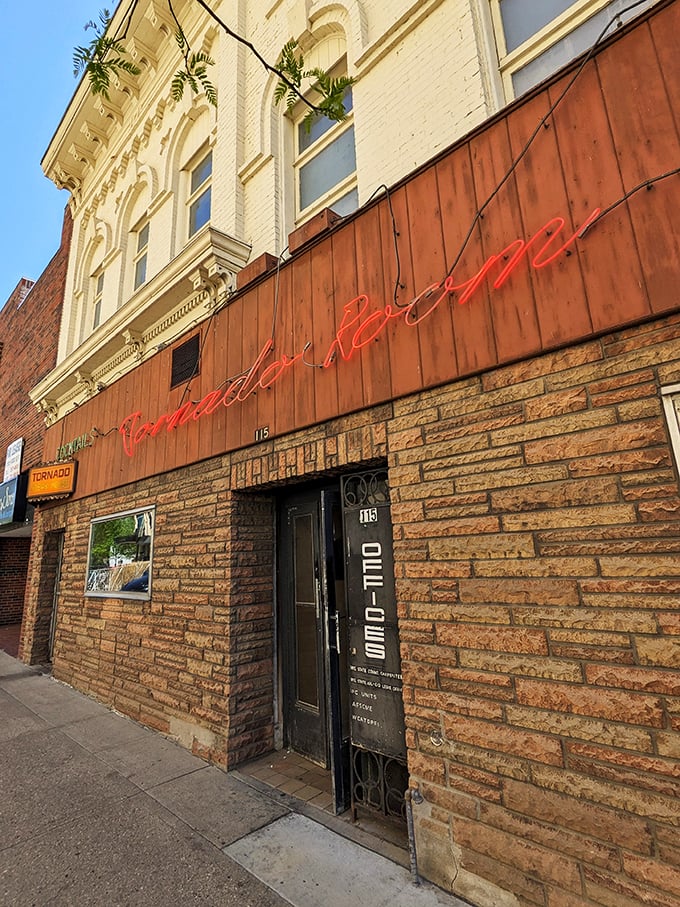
(350, 377)
(616, 127)
(541, 197)
(322, 332)
(374, 356)
(239, 317)
(646, 145)
(428, 257)
(266, 409)
(404, 349)
(582, 130)
(284, 388)
(304, 315)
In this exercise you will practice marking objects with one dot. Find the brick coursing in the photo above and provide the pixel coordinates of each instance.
(535, 513)
(13, 568)
(29, 328)
(537, 552)
(200, 653)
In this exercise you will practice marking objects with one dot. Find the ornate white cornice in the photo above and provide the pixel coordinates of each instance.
(90, 121)
(183, 293)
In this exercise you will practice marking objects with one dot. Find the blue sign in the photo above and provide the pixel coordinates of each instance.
(13, 500)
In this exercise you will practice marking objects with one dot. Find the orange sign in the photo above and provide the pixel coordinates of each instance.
(55, 481)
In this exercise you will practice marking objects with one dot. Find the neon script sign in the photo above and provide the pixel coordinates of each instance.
(358, 327)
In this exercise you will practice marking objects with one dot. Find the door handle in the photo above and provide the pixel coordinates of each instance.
(336, 622)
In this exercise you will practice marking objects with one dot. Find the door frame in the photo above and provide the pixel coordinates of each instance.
(318, 499)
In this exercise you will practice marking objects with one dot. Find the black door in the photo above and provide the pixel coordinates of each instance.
(59, 553)
(302, 629)
(313, 622)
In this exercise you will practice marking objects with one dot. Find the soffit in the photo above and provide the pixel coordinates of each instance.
(90, 121)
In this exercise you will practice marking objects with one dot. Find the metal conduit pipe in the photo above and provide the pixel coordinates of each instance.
(409, 799)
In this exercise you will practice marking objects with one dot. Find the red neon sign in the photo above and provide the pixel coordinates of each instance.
(358, 327)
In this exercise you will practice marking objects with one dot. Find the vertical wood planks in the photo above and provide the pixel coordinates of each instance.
(592, 179)
(437, 348)
(265, 396)
(375, 361)
(345, 281)
(303, 331)
(403, 345)
(538, 187)
(323, 331)
(642, 110)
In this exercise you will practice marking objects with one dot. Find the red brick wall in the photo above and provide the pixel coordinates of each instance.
(29, 332)
(13, 567)
(537, 544)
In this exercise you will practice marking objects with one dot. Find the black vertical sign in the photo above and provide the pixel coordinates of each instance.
(377, 708)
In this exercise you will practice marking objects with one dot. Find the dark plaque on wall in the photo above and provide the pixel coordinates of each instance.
(377, 709)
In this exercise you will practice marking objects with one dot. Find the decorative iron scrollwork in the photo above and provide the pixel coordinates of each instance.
(365, 489)
(379, 783)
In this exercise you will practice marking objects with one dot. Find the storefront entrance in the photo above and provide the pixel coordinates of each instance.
(313, 621)
(342, 702)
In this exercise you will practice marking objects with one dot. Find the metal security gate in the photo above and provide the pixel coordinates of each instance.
(379, 776)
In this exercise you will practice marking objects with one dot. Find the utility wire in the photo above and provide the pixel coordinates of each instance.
(541, 124)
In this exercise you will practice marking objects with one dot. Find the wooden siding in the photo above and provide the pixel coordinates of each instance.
(616, 127)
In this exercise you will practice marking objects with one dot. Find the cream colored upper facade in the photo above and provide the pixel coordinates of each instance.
(152, 254)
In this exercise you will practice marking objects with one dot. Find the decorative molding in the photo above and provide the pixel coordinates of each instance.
(254, 165)
(135, 341)
(85, 383)
(50, 409)
(373, 53)
(217, 283)
(189, 287)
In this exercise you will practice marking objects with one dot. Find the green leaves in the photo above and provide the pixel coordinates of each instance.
(104, 57)
(291, 66)
(96, 60)
(194, 74)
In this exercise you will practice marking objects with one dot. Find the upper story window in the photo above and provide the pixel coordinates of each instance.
(199, 194)
(97, 300)
(325, 164)
(536, 39)
(141, 256)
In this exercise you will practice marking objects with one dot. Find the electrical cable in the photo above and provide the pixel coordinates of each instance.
(541, 123)
(479, 214)
(645, 184)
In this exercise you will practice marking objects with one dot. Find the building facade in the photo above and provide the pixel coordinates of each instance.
(29, 328)
(403, 499)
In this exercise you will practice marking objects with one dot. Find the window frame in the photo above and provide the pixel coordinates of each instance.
(143, 595)
(140, 257)
(511, 62)
(98, 283)
(670, 396)
(302, 157)
(198, 192)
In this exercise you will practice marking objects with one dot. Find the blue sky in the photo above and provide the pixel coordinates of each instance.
(37, 83)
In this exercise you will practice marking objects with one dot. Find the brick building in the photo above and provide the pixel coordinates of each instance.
(29, 328)
(404, 500)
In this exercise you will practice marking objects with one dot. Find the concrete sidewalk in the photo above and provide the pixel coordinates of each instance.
(95, 810)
